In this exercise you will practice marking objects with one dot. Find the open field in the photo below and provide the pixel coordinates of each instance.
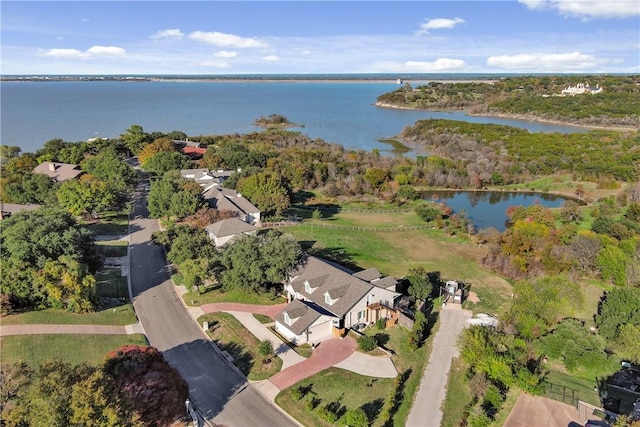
(72, 348)
(216, 295)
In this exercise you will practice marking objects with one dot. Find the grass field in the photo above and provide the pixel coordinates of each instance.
(115, 224)
(72, 348)
(120, 316)
(111, 283)
(458, 395)
(231, 336)
(216, 295)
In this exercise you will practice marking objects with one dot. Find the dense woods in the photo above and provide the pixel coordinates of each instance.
(533, 97)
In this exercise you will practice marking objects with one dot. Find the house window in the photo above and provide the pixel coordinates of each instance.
(287, 319)
(327, 299)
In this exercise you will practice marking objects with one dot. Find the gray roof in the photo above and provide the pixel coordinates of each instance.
(6, 209)
(385, 282)
(339, 284)
(229, 227)
(368, 274)
(58, 171)
(302, 313)
(225, 199)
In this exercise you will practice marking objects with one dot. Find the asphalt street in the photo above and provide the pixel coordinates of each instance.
(221, 394)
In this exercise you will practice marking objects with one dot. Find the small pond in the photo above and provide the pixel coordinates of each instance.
(489, 208)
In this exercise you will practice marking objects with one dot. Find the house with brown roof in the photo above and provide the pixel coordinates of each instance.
(7, 209)
(58, 172)
(326, 299)
(226, 199)
(227, 230)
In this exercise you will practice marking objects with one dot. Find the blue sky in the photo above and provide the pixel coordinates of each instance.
(269, 37)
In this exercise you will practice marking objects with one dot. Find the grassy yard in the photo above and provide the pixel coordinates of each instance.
(116, 225)
(216, 295)
(72, 348)
(111, 284)
(231, 336)
(345, 390)
(119, 316)
(560, 384)
(113, 248)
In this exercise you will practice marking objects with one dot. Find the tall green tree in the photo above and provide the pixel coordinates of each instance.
(135, 138)
(269, 191)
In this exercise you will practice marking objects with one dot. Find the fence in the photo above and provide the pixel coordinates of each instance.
(340, 209)
(344, 227)
(563, 394)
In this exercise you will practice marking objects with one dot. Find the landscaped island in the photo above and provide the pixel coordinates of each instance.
(275, 121)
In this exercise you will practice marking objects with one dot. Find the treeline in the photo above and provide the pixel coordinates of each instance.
(533, 96)
(471, 154)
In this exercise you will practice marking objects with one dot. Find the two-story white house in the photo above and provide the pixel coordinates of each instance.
(326, 299)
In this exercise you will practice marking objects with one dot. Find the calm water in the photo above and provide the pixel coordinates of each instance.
(338, 112)
(488, 208)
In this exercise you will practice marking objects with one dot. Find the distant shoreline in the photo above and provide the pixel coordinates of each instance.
(525, 118)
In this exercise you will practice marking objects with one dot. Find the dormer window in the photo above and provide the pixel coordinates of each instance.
(307, 287)
(327, 299)
(287, 319)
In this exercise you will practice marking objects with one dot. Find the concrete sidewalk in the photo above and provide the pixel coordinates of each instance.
(46, 329)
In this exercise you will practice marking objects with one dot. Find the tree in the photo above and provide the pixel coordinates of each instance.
(618, 307)
(108, 167)
(420, 286)
(174, 196)
(265, 348)
(257, 263)
(135, 138)
(269, 191)
(428, 212)
(67, 284)
(9, 152)
(158, 146)
(356, 418)
(194, 272)
(86, 195)
(165, 161)
(27, 187)
(152, 388)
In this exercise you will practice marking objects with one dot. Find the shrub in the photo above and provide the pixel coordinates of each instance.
(327, 415)
(297, 393)
(381, 323)
(356, 418)
(367, 343)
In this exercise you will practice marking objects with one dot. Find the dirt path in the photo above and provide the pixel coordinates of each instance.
(545, 412)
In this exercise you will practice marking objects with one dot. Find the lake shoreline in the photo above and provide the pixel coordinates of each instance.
(526, 118)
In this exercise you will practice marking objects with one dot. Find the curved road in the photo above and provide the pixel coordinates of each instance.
(221, 394)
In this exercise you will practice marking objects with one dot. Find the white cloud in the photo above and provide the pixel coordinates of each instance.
(270, 58)
(587, 9)
(214, 64)
(437, 24)
(439, 65)
(225, 40)
(173, 34)
(92, 52)
(225, 54)
(106, 51)
(551, 62)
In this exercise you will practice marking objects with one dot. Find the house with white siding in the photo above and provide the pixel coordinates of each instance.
(327, 299)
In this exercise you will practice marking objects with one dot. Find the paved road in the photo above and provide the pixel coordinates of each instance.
(426, 411)
(221, 393)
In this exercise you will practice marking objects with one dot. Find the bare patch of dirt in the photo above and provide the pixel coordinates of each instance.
(473, 297)
(545, 412)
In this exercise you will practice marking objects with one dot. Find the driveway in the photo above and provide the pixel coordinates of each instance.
(426, 411)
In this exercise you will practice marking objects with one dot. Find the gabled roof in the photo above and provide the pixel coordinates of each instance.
(368, 274)
(226, 199)
(346, 289)
(58, 171)
(196, 174)
(302, 314)
(229, 227)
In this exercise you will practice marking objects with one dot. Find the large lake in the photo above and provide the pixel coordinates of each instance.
(489, 208)
(338, 112)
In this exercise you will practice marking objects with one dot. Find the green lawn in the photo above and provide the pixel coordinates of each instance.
(262, 318)
(351, 390)
(568, 386)
(216, 295)
(72, 348)
(231, 336)
(111, 284)
(115, 224)
(122, 315)
(113, 248)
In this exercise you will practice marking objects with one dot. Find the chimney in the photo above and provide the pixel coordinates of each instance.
(52, 166)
